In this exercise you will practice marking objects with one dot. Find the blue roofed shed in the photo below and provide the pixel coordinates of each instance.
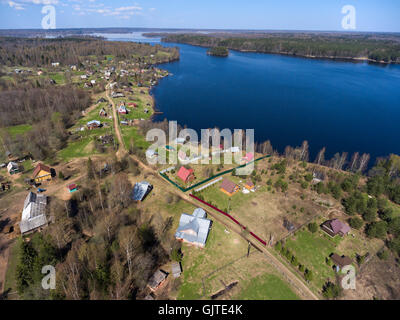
(141, 190)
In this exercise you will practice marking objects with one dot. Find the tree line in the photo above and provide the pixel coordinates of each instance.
(37, 52)
(376, 48)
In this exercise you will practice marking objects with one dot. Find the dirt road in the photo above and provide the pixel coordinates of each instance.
(298, 284)
(121, 150)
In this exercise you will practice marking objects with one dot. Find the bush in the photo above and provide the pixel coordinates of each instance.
(330, 290)
(377, 230)
(313, 227)
(356, 223)
(383, 254)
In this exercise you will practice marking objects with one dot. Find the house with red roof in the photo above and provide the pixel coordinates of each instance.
(186, 175)
(248, 157)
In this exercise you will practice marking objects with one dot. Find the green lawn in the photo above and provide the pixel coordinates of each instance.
(311, 250)
(19, 129)
(9, 283)
(77, 149)
(223, 201)
(129, 133)
(266, 287)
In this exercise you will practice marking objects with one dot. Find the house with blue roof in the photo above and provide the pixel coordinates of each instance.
(140, 191)
(194, 228)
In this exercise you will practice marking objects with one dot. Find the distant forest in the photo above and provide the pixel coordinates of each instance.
(36, 52)
(375, 47)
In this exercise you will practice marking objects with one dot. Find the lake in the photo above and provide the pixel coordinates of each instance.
(343, 106)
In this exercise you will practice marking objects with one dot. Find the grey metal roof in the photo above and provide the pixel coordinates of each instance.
(193, 229)
(176, 269)
(156, 279)
(31, 224)
(34, 212)
(141, 190)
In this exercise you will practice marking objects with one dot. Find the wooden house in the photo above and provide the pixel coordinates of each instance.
(186, 175)
(229, 187)
(42, 173)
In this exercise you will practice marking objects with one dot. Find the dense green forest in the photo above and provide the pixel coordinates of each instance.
(378, 48)
(73, 51)
(218, 51)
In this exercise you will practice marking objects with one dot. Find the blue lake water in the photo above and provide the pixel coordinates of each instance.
(343, 106)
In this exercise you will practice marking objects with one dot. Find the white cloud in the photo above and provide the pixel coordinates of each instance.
(15, 5)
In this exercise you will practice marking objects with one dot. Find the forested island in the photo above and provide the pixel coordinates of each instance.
(380, 48)
(218, 52)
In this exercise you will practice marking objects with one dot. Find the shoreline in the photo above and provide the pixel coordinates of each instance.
(331, 58)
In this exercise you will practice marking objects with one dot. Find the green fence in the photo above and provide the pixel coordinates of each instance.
(213, 177)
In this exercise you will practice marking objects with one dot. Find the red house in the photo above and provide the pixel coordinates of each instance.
(185, 175)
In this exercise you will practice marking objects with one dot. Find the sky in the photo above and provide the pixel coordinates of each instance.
(371, 15)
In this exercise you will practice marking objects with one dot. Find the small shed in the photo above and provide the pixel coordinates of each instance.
(176, 269)
(72, 188)
(12, 168)
(157, 280)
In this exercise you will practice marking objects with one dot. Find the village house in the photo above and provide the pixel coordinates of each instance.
(150, 153)
(83, 76)
(180, 140)
(335, 227)
(55, 64)
(140, 191)
(12, 168)
(288, 225)
(41, 173)
(122, 109)
(40, 72)
(102, 112)
(157, 280)
(194, 228)
(228, 187)
(318, 176)
(93, 124)
(34, 213)
(340, 261)
(72, 188)
(186, 175)
(249, 185)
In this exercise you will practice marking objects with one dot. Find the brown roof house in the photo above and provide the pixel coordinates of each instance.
(42, 173)
(340, 261)
(335, 227)
(249, 185)
(157, 280)
(228, 187)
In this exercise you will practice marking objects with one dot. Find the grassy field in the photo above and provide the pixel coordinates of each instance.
(265, 287)
(311, 250)
(19, 129)
(224, 261)
(9, 282)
